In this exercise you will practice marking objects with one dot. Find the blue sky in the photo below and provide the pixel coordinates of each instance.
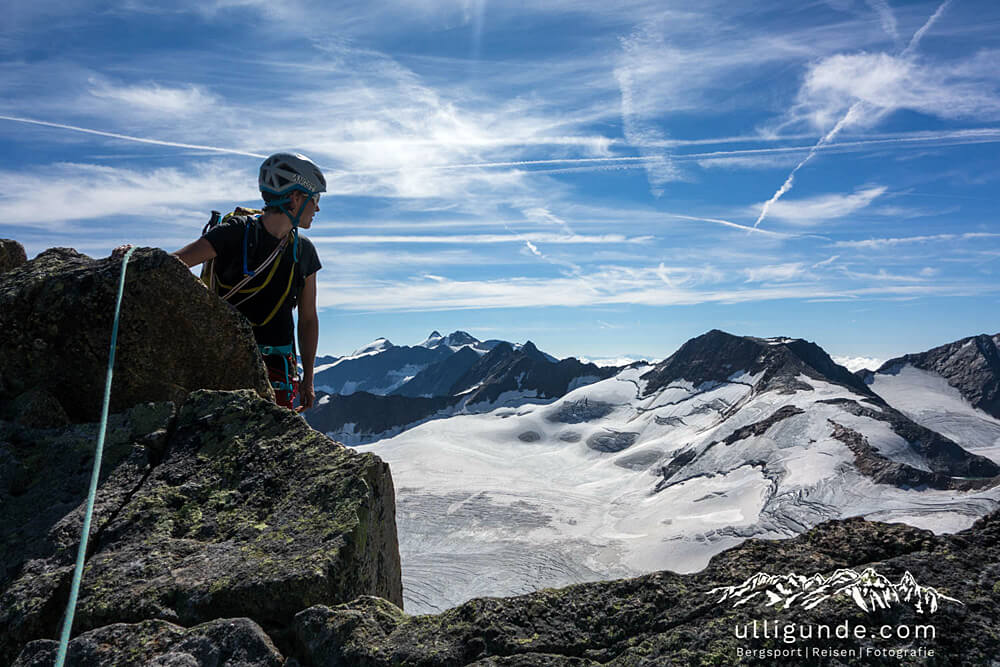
(602, 178)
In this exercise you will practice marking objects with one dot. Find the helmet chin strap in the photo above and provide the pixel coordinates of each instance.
(280, 203)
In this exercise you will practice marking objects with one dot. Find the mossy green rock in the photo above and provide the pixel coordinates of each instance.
(247, 513)
(57, 310)
(671, 619)
(232, 642)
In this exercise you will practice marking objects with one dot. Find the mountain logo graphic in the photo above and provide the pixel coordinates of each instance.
(870, 590)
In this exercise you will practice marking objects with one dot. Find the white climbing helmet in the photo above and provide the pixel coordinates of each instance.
(283, 172)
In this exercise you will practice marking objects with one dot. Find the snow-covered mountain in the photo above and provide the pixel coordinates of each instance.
(383, 368)
(381, 394)
(953, 389)
(661, 467)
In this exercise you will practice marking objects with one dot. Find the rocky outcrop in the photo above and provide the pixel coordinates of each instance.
(56, 312)
(662, 618)
(670, 619)
(12, 255)
(237, 641)
(233, 508)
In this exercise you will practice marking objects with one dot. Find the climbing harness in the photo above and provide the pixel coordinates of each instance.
(284, 380)
(94, 478)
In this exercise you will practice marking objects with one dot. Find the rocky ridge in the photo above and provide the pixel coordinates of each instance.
(215, 505)
(657, 619)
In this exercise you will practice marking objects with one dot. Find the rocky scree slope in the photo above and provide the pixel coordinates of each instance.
(220, 505)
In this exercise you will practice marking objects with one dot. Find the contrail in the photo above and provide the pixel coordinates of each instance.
(787, 185)
(126, 137)
(729, 224)
(849, 116)
(918, 35)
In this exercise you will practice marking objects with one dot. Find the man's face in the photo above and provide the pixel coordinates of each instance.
(311, 209)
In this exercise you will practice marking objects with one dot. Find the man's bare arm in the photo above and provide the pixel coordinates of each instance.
(308, 339)
(196, 253)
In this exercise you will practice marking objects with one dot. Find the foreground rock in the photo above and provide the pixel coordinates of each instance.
(56, 312)
(235, 508)
(12, 255)
(669, 619)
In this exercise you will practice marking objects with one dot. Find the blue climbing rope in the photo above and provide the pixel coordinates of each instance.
(94, 478)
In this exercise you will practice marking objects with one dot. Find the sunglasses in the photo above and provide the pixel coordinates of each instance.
(315, 199)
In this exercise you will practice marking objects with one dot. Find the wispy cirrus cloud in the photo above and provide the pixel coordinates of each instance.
(74, 192)
(609, 286)
(881, 243)
(823, 208)
(776, 273)
(154, 97)
(476, 239)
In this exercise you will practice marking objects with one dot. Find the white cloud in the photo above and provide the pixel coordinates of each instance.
(886, 17)
(68, 192)
(857, 363)
(776, 272)
(474, 239)
(610, 285)
(816, 210)
(155, 98)
(963, 89)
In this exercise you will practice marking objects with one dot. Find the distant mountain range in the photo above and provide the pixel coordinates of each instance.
(381, 389)
(660, 466)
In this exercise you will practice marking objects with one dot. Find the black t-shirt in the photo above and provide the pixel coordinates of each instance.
(282, 280)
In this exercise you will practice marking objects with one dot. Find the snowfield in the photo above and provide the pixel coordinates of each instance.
(537, 496)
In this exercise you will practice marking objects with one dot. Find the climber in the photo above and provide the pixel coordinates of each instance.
(265, 267)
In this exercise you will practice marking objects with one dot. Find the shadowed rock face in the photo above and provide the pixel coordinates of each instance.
(235, 508)
(971, 365)
(56, 312)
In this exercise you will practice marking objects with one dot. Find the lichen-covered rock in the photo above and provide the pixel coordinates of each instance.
(56, 312)
(671, 619)
(44, 477)
(12, 255)
(237, 641)
(249, 513)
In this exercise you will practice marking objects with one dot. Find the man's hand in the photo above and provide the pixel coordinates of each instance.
(307, 395)
(120, 251)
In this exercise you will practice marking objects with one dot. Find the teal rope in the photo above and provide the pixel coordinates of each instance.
(95, 476)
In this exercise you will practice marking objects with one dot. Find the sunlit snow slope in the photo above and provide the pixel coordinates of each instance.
(662, 467)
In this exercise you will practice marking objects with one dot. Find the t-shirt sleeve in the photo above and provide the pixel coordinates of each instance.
(309, 260)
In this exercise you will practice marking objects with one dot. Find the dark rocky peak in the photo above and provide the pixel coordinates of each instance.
(531, 352)
(716, 356)
(971, 365)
